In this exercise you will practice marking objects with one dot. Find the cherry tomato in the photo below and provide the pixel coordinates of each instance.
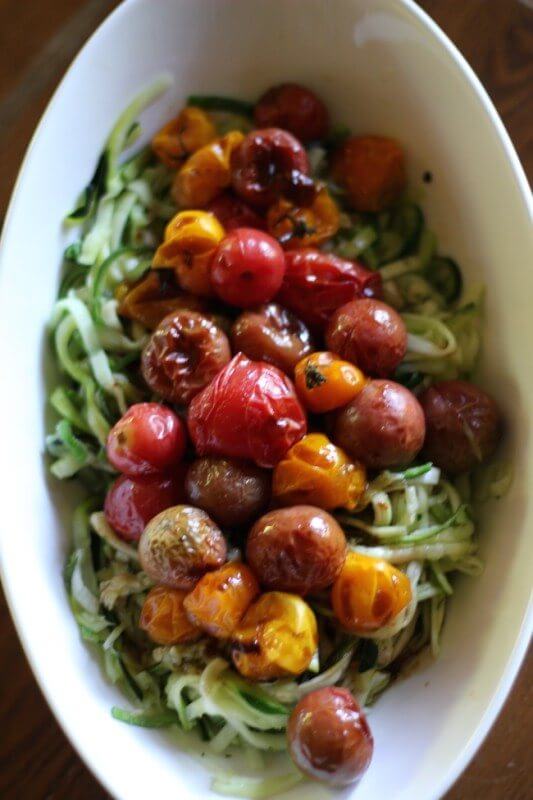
(180, 137)
(269, 163)
(221, 598)
(317, 283)
(369, 593)
(325, 382)
(232, 492)
(191, 239)
(232, 212)
(250, 411)
(369, 333)
(316, 471)
(303, 226)
(180, 545)
(164, 618)
(293, 108)
(299, 549)
(206, 172)
(183, 355)
(329, 737)
(372, 168)
(131, 504)
(154, 297)
(383, 426)
(462, 425)
(247, 268)
(271, 333)
(277, 638)
(147, 439)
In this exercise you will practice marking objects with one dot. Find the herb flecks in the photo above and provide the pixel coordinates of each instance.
(313, 377)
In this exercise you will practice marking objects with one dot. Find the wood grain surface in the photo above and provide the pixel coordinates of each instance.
(38, 38)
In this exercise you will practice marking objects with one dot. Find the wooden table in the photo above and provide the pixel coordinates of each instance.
(38, 38)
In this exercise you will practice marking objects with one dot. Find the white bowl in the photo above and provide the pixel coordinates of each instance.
(382, 66)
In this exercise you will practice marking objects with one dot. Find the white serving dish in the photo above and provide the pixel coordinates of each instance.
(382, 66)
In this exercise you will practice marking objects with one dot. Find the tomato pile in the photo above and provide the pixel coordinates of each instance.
(272, 362)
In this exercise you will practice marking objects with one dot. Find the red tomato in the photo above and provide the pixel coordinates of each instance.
(247, 268)
(316, 284)
(232, 212)
(146, 440)
(250, 411)
(293, 108)
(130, 505)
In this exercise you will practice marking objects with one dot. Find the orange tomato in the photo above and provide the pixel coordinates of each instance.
(372, 168)
(325, 382)
(206, 172)
(191, 238)
(149, 300)
(316, 472)
(180, 137)
(164, 619)
(304, 226)
(220, 599)
(369, 593)
(277, 637)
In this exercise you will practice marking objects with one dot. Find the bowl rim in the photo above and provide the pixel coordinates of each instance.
(517, 655)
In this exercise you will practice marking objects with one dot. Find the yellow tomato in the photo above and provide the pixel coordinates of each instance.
(164, 618)
(325, 382)
(182, 136)
(304, 226)
(206, 172)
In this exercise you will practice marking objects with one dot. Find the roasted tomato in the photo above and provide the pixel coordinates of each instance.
(147, 439)
(462, 425)
(299, 549)
(270, 163)
(316, 284)
(221, 598)
(372, 168)
(369, 593)
(180, 545)
(206, 173)
(277, 638)
(383, 426)
(164, 618)
(130, 504)
(183, 355)
(271, 333)
(368, 333)
(316, 471)
(247, 268)
(154, 297)
(325, 382)
(232, 212)
(303, 226)
(293, 108)
(329, 737)
(182, 136)
(191, 240)
(232, 492)
(250, 411)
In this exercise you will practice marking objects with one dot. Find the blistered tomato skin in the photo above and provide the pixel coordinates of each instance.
(317, 283)
(180, 137)
(247, 268)
(180, 545)
(154, 297)
(383, 426)
(293, 108)
(268, 163)
(183, 355)
(369, 594)
(130, 504)
(300, 549)
(206, 173)
(277, 638)
(325, 382)
(164, 618)
(329, 737)
(221, 598)
(304, 226)
(249, 411)
(463, 425)
(372, 168)
(233, 493)
(146, 440)
(368, 333)
(232, 212)
(271, 333)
